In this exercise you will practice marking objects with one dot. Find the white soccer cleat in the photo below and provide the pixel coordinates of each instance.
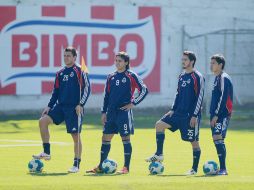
(73, 169)
(42, 156)
(191, 172)
(155, 158)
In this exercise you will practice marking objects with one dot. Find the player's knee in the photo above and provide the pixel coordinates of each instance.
(43, 122)
(126, 138)
(217, 137)
(218, 140)
(195, 145)
(159, 126)
(76, 137)
(107, 137)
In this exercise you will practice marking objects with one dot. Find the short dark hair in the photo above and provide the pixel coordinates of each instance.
(125, 57)
(72, 50)
(191, 55)
(219, 59)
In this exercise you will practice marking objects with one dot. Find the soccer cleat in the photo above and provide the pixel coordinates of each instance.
(222, 172)
(191, 172)
(95, 170)
(42, 156)
(155, 158)
(123, 171)
(73, 169)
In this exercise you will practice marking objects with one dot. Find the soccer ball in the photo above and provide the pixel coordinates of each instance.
(35, 165)
(109, 166)
(210, 168)
(156, 168)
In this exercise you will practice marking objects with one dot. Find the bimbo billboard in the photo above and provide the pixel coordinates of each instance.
(33, 38)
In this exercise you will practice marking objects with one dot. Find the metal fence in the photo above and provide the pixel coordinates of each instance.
(237, 45)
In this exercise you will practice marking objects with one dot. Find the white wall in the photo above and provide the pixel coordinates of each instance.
(198, 16)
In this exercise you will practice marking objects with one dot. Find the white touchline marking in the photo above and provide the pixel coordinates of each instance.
(28, 141)
(11, 140)
(16, 145)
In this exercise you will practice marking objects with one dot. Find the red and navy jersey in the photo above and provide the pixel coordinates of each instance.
(68, 83)
(222, 96)
(120, 90)
(190, 93)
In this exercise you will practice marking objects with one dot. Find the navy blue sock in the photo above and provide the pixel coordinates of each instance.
(160, 136)
(77, 162)
(105, 148)
(46, 147)
(127, 153)
(196, 156)
(221, 151)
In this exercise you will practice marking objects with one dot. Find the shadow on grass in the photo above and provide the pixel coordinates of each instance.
(13, 132)
(182, 175)
(48, 174)
(103, 175)
(169, 175)
(206, 176)
(15, 125)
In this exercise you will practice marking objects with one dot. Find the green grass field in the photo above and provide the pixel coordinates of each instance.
(178, 157)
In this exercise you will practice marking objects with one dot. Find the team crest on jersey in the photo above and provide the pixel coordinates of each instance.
(72, 74)
(61, 74)
(66, 77)
(185, 82)
(124, 80)
(112, 78)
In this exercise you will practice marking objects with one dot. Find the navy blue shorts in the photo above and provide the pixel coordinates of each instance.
(221, 126)
(182, 122)
(119, 122)
(68, 114)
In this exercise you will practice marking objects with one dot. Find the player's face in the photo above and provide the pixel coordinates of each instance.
(214, 66)
(69, 59)
(120, 64)
(186, 62)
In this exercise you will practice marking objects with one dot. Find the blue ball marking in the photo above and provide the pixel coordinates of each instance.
(30, 166)
(109, 166)
(35, 166)
(112, 163)
(106, 169)
(156, 168)
(208, 170)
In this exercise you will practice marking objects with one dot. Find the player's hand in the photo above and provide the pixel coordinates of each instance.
(170, 113)
(79, 110)
(214, 121)
(45, 111)
(127, 107)
(103, 118)
(193, 122)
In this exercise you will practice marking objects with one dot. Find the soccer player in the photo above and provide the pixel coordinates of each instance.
(116, 112)
(70, 94)
(221, 108)
(185, 113)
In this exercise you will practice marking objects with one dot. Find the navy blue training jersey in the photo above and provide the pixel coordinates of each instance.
(120, 88)
(190, 92)
(222, 96)
(67, 87)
